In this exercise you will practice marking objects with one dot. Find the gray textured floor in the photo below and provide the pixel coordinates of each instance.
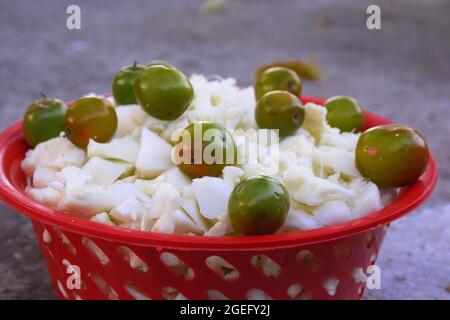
(401, 71)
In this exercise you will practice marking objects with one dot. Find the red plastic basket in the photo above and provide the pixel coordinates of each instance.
(305, 261)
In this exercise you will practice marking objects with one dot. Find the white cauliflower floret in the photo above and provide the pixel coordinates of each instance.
(150, 186)
(332, 212)
(184, 224)
(88, 200)
(55, 153)
(351, 138)
(177, 222)
(73, 177)
(367, 198)
(154, 155)
(300, 145)
(46, 196)
(289, 160)
(129, 118)
(305, 187)
(29, 162)
(102, 217)
(176, 178)
(190, 206)
(298, 219)
(132, 209)
(125, 149)
(43, 176)
(316, 121)
(344, 140)
(155, 125)
(166, 200)
(212, 195)
(106, 171)
(223, 102)
(165, 224)
(221, 228)
(388, 196)
(173, 127)
(335, 159)
(232, 175)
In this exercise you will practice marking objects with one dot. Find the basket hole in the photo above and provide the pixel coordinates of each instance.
(65, 240)
(95, 251)
(330, 285)
(62, 290)
(308, 260)
(215, 295)
(297, 292)
(176, 265)
(133, 259)
(358, 275)
(222, 267)
(76, 296)
(46, 237)
(266, 265)
(50, 254)
(170, 293)
(373, 258)
(342, 251)
(369, 239)
(135, 291)
(257, 294)
(104, 287)
(361, 291)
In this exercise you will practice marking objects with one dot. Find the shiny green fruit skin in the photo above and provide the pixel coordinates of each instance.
(258, 205)
(159, 63)
(278, 78)
(43, 120)
(198, 170)
(122, 86)
(345, 114)
(280, 110)
(391, 155)
(163, 92)
(90, 118)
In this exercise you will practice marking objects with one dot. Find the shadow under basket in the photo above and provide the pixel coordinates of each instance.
(87, 260)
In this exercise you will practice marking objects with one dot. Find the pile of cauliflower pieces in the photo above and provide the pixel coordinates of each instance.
(132, 182)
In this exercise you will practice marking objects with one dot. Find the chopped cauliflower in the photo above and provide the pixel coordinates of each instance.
(56, 153)
(88, 200)
(103, 217)
(315, 121)
(129, 118)
(46, 196)
(332, 212)
(132, 181)
(304, 187)
(212, 195)
(132, 209)
(106, 171)
(154, 155)
(125, 149)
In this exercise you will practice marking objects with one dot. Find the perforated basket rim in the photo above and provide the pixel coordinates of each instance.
(410, 198)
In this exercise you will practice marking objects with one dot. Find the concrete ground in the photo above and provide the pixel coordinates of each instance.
(401, 71)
